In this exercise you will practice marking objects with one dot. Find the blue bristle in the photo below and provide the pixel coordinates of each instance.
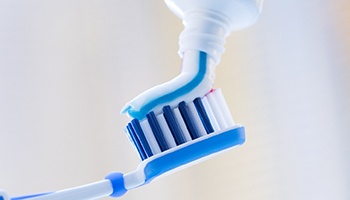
(141, 136)
(136, 141)
(191, 126)
(174, 125)
(157, 131)
(203, 115)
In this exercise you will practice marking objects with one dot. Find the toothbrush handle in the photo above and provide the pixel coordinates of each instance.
(112, 185)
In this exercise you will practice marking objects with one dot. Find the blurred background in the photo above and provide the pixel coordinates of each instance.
(68, 67)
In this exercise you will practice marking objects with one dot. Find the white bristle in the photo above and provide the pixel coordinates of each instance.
(150, 137)
(224, 107)
(210, 114)
(194, 114)
(216, 110)
(166, 131)
(182, 124)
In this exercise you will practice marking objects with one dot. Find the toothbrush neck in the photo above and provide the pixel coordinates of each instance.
(204, 31)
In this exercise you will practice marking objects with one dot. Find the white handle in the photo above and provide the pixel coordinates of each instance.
(3, 196)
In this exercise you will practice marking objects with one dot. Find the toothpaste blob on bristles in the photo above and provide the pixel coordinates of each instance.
(195, 80)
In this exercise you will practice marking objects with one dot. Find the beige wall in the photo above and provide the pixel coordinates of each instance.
(68, 67)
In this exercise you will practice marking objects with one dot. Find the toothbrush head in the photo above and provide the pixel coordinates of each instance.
(181, 136)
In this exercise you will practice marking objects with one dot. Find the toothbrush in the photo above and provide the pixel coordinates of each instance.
(170, 141)
(184, 121)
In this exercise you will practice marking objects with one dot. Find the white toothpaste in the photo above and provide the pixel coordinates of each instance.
(196, 79)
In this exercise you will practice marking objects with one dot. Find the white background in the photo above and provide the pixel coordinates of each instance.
(68, 67)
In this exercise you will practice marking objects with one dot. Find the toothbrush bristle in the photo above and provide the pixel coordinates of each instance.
(176, 126)
(203, 115)
(157, 131)
(190, 124)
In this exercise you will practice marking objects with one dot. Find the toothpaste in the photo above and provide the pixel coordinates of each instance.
(195, 80)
